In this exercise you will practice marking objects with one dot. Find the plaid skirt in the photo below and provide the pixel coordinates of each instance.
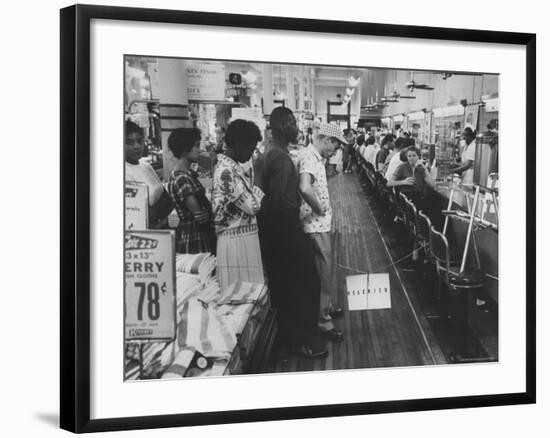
(193, 238)
(239, 256)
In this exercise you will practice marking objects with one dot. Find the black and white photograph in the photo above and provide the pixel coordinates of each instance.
(277, 218)
(286, 218)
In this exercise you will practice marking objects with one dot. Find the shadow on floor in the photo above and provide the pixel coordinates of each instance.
(51, 419)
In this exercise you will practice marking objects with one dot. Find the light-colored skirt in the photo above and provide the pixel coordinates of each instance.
(239, 257)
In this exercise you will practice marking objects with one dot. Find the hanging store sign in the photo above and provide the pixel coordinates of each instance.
(252, 114)
(205, 82)
(418, 115)
(471, 114)
(150, 286)
(448, 111)
(491, 105)
(398, 118)
(136, 205)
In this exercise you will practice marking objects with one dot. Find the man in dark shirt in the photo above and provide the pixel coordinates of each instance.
(287, 252)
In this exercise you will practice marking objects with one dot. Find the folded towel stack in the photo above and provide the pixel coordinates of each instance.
(202, 264)
(203, 329)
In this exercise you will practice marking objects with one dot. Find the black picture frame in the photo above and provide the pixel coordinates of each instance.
(75, 216)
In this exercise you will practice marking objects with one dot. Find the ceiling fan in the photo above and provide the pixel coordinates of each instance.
(395, 96)
(412, 85)
(373, 106)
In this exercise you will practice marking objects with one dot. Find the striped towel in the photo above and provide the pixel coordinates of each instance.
(236, 316)
(187, 286)
(202, 264)
(180, 364)
(211, 292)
(242, 292)
(156, 357)
(202, 328)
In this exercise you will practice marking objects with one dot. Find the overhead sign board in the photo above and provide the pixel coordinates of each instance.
(205, 82)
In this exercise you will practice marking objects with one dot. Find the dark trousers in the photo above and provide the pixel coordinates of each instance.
(292, 280)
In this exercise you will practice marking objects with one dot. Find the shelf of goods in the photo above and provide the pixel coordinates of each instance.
(234, 329)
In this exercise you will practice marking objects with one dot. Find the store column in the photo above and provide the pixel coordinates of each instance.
(267, 85)
(173, 105)
(290, 98)
(356, 106)
(312, 90)
(301, 88)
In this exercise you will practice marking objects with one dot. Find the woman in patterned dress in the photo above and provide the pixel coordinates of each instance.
(195, 232)
(235, 202)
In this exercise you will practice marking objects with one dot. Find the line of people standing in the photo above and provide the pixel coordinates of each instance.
(294, 224)
(280, 227)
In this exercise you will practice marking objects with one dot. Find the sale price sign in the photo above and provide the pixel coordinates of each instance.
(150, 286)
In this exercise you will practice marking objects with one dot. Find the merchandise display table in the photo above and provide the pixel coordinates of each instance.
(218, 332)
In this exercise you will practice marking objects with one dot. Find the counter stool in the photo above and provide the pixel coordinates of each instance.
(410, 218)
(370, 172)
(423, 225)
(382, 189)
(459, 285)
(401, 207)
(366, 170)
(429, 274)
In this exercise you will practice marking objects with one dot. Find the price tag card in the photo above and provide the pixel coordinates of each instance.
(150, 286)
(136, 197)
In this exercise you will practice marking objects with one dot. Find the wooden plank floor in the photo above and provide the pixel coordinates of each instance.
(373, 338)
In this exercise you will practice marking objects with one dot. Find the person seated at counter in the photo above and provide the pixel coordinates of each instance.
(139, 171)
(360, 148)
(235, 203)
(195, 231)
(399, 156)
(369, 154)
(412, 178)
(392, 152)
(466, 168)
(387, 144)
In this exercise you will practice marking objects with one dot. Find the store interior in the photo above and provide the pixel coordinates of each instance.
(430, 320)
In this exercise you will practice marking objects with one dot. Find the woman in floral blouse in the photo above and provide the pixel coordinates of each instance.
(235, 202)
(195, 232)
